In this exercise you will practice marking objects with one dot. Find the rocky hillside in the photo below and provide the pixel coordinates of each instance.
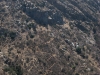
(49, 37)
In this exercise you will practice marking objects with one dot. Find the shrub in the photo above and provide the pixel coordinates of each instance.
(78, 50)
(73, 67)
(94, 30)
(76, 63)
(68, 58)
(31, 36)
(12, 35)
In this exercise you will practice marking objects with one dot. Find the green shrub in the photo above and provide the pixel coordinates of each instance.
(73, 67)
(94, 30)
(12, 35)
(31, 36)
(78, 50)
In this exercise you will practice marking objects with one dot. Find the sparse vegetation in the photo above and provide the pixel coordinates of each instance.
(49, 37)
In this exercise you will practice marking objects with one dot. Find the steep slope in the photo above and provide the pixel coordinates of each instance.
(49, 37)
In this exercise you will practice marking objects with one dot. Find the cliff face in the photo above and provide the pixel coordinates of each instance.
(49, 37)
